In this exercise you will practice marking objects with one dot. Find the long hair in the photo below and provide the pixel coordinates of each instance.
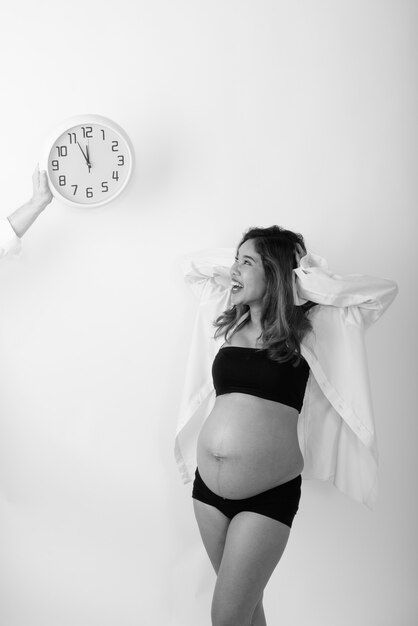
(283, 324)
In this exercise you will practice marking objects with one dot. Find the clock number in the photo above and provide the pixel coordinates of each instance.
(121, 160)
(55, 165)
(62, 151)
(89, 192)
(115, 146)
(105, 187)
(87, 132)
(115, 175)
(103, 133)
(75, 190)
(73, 137)
(62, 181)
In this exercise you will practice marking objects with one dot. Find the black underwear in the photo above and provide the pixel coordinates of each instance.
(250, 370)
(280, 503)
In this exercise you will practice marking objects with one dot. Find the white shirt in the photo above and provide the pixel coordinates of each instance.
(9, 241)
(336, 425)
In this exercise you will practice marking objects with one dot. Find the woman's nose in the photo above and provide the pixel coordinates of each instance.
(234, 271)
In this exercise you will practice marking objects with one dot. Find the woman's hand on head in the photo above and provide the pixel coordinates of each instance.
(299, 253)
(42, 195)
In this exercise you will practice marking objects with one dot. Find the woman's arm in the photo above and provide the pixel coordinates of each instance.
(21, 219)
(315, 282)
(208, 270)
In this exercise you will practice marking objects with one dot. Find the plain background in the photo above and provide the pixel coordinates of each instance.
(241, 113)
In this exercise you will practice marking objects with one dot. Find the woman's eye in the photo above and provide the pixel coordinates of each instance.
(244, 261)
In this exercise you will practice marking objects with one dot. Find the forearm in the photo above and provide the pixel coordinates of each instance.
(315, 282)
(21, 219)
(208, 266)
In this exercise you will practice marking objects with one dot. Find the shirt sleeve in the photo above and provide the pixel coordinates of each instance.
(207, 272)
(315, 282)
(9, 241)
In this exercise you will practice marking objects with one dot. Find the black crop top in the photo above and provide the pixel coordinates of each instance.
(250, 370)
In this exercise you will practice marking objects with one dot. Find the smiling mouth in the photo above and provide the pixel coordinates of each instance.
(236, 286)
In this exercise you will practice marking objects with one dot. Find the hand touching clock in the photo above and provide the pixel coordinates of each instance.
(24, 216)
(42, 194)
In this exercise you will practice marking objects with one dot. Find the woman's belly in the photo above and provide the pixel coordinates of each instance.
(248, 445)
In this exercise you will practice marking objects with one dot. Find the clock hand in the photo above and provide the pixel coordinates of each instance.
(84, 155)
(88, 157)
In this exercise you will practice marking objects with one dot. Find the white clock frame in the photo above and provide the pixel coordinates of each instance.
(67, 125)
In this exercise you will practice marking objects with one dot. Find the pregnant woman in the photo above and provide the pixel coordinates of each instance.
(247, 483)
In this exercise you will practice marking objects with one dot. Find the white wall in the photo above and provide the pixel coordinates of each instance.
(241, 113)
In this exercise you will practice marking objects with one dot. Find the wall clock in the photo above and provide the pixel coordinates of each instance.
(89, 160)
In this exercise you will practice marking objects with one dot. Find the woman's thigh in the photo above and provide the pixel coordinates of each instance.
(213, 527)
(253, 547)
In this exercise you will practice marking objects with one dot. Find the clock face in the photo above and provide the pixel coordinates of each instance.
(89, 163)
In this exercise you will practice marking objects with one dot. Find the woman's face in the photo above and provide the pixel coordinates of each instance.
(248, 277)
